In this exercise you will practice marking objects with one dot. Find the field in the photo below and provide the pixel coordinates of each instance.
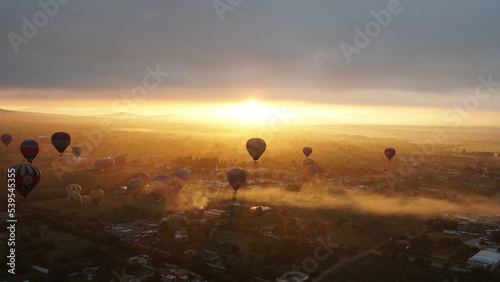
(356, 200)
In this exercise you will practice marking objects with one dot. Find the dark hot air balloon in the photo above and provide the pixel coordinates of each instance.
(61, 141)
(27, 177)
(6, 139)
(29, 148)
(120, 160)
(307, 151)
(256, 147)
(180, 178)
(165, 179)
(77, 151)
(390, 153)
(236, 178)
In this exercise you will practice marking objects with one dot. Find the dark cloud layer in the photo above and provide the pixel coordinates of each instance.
(291, 47)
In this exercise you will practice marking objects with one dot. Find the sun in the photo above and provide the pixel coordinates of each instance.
(251, 112)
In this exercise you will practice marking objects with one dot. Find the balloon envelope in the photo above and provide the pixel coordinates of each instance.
(6, 139)
(96, 195)
(134, 184)
(61, 141)
(307, 151)
(120, 160)
(29, 148)
(144, 177)
(307, 162)
(74, 187)
(75, 197)
(103, 164)
(236, 178)
(165, 179)
(181, 176)
(27, 177)
(311, 169)
(77, 151)
(390, 153)
(256, 147)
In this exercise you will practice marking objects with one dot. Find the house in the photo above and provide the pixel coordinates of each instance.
(210, 255)
(142, 259)
(293, 276)
(464, 226)
(263, 208)
(190, 252)
(215, 213)
(402, 244)
(486, 259)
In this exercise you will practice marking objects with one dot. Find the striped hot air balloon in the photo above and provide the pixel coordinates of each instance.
(29, 148)
(74, 187)
(27, 177)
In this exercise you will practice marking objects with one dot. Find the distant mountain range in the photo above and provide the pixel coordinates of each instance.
(299, 119)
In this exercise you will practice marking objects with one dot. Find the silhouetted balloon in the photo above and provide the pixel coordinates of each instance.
(157, 188)
(307, 151)
(96, 195)
(103, 164)
(61, 141)
(390, 153)
(181, 176)
(74, 187)
(27, 177)
(120, 160)
(77, 151)
(236, 178)
(256, 147)
(29, 148)
(6, 139)
(165, 179)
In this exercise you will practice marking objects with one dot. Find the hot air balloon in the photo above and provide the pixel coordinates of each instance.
(134, 184)
(236, 178)
(29, 148)
(311, 169)
(390, 153)
(75, 197)
(6, 139)
(74, 187)
(61, 141)
(120, 160)
(144, 177)
(256, 147)
(180, 178)
(307, 162)
(96, 195)
(27, 177)
(103, 164)
(157, 188)
(165, 179)
(307, 151)
(77, 151)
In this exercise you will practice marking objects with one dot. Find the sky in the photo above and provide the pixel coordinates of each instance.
(416, 62)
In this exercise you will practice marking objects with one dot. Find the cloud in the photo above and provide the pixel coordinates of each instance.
(288, 47)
